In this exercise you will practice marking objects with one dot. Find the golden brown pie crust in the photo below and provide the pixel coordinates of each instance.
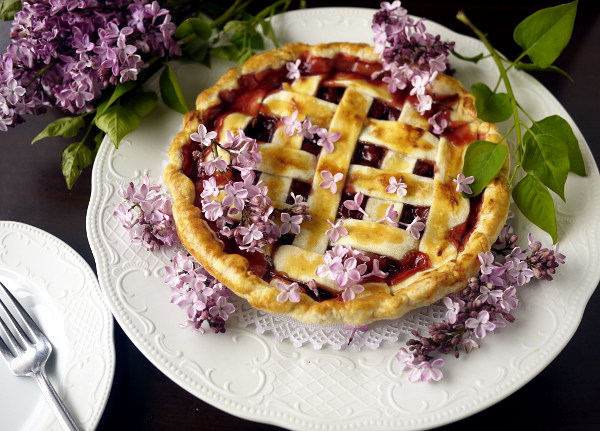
(449, 268)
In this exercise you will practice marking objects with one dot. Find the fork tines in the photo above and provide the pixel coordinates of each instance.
(26, 333)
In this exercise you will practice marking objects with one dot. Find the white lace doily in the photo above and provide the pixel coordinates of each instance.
(336, 337)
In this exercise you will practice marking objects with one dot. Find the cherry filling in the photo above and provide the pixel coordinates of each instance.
(310, 145)
(424, 168)
(344, 212)
(331, 94)
(368, 155)
(383, 111)
(261, 128)
(460, 134)
(399, 270)
(459, 234)
(298, 188)
(409, 212)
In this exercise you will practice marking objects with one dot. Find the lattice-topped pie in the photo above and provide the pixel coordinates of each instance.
(362, 192)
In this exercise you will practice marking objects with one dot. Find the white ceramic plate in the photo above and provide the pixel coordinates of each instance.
(254, 376)
(60, 291)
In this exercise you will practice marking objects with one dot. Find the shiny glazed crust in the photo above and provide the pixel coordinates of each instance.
(449, 268)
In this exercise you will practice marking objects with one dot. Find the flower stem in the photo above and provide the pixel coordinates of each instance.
(504, 75)
(237, 7)
(40, 73)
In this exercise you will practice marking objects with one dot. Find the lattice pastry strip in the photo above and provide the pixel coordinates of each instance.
(372, 182)
(348, 120)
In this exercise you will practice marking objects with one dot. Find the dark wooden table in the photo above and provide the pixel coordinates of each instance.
(565, 396)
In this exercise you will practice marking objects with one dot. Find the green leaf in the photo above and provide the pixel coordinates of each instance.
(120, 120)
(491, 107)
(193, 26)
(8, 8)
(120, 89)
(535, 202)
(544, 34)
(65, 127)
(142, 104)
(268, 31)
(547, 157)
(474, 59)
(558, 127)
(98, 141)
(171, 91)
(117, 122)
(483, 161)
(256, 42)
(75, 158)
(196, 50)
(528, 67)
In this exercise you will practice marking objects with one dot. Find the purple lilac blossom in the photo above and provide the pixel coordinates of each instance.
(337, 230)
(147, 215)
(197, 292)
(396, 186)
(330, 180)
(410, 54)
(260, 224)
(64, 53)
(484, 305)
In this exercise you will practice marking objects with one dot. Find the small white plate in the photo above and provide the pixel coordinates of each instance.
(60, 291)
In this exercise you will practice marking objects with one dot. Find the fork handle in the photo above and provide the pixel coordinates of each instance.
(56, 404)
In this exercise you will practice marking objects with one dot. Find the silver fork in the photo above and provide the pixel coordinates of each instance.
(26, 351)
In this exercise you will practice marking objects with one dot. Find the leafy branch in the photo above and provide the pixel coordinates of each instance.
(234, 34)
(546, 150)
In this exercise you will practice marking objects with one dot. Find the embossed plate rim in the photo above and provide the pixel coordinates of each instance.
(200, 374)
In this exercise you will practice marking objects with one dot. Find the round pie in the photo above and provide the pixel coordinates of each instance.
(382, 141)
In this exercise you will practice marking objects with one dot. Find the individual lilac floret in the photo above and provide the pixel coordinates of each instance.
(462, 183)
(415, 227)
(438, 123)
(307, 129)
(288, 292)
(327, 139)
(203, 136)
(391, 216)
(293, 68)
(355, 203)
(486, 303)
(292, 125)
(396, 186)
(337, 230)
(424, 371)
(147, 216)
(197, 292)
(481, 325)
(330, 180)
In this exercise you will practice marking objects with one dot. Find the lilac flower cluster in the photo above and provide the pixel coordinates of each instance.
(484, 305)
(245, 212)
(147, 215)
(65, 52)
(348, 268)
(411, 56)
(201, 295)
